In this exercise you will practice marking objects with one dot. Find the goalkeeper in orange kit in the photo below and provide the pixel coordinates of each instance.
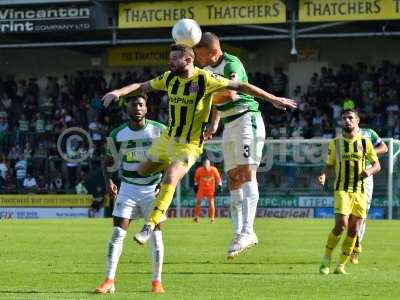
(205, 179)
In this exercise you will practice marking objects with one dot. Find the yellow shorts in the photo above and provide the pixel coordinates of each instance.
(347, 203)
(167, 150)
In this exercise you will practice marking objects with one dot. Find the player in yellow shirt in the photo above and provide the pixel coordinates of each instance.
(189, 91)
(347, 155)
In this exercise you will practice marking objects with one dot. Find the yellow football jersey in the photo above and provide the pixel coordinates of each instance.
(189, 102)
(349, 156)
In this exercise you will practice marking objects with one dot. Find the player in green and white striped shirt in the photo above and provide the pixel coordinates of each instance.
(380, 148)
(127, 145)
(242, 139)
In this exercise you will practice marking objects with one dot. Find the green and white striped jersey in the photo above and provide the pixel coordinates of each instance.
(130, 146)
(373, 137)
(232, 68)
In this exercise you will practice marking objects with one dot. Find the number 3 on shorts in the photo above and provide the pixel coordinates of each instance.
(246, 152)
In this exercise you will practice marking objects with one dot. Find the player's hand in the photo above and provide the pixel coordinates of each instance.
(109, 98)
(284, 103)
(209, 133)
(220, 188)
(322, 179)
(365, 174)
(112, 190)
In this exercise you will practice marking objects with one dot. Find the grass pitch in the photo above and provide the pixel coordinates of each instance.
(65, 259)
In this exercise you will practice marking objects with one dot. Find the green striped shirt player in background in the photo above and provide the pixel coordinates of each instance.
(242, 142)
(380, 149)
(126, 149)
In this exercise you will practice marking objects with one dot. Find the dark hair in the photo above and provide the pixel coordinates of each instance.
(185, 50)
(133, 98)
(207, 40)
(205, 159)
(350, 110)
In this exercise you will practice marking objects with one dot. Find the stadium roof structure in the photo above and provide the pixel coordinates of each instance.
(112, 35)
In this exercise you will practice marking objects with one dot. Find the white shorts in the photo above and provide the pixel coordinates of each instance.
(243, 141)
(134, 201)
(369, 189)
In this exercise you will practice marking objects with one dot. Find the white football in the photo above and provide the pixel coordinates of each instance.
(186, 32)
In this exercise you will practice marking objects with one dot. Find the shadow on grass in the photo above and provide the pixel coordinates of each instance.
(227, 262)
(194, 273)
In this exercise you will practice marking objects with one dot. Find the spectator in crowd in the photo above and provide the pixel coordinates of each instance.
(41, 185)
(4, 128)
(21, 167)
(14, 154)
(72, 165)
(30, 184)
(279, 82)
(23, 126)
(39, 125)
(56, 184)
(80, 188)
(3, 167)
(96, 134)
(39, 157)
(9, 185)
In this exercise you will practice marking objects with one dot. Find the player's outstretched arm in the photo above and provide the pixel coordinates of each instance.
(142, 87)
(247, 88)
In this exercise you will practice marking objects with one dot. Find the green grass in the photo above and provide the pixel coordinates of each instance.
(65, 259)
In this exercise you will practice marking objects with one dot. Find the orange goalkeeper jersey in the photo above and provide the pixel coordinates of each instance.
(206, 179)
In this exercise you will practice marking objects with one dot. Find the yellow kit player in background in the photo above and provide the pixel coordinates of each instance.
(189, 91)
(347, 155)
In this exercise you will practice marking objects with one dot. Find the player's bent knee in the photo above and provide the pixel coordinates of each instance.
(339, 228)
(236, 202)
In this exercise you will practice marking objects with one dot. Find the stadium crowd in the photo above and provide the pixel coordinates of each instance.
(33, 117)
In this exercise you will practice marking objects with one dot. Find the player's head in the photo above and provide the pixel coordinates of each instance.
(206, 163)
(350, 120)
(181, 58)
(137, 108)
(208, 50)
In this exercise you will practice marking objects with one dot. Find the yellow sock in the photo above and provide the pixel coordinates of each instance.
(347, 248)
(161, 204)
(331, 243)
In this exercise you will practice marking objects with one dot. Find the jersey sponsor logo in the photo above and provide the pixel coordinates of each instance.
(352, 156)
(136, 155)
(180, 100)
